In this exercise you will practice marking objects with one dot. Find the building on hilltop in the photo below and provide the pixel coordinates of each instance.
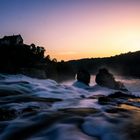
(11, 40)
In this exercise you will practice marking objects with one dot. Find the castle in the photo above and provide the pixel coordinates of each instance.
(11, 40)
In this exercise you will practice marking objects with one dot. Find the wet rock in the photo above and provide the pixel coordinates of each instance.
(103, 100)
(6, 114)
(47, 100)
(121, 95)
(117, 98)
(82, 96)
(2, 77)
(30, 109)
(106, 79)
(95, 96)
(8, 92)
(115, 110)
(79, 111)
(26, 98)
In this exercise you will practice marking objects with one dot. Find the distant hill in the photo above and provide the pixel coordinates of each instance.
(127, 64)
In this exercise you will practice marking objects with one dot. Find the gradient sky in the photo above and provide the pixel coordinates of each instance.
(73, 29)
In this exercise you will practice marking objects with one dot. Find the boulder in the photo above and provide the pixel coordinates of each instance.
(106, 79)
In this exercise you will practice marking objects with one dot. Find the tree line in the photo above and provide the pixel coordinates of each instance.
(15, 57)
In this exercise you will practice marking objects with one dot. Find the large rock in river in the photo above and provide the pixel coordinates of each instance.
(106, 79)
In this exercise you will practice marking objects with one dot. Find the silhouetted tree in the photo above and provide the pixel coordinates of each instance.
(54, 60)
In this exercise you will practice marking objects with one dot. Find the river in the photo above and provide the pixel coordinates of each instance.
(33, 109)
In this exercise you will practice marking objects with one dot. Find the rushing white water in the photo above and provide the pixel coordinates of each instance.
(36, 109)
(133, 85)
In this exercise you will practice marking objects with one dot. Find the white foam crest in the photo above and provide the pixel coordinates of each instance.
(51, 89)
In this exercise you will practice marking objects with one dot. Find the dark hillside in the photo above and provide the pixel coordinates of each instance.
(127, 64)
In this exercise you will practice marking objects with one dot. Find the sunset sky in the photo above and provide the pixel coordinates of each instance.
(73, 29)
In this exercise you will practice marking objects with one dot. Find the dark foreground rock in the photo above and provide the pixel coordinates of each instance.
(121, 95)
(116, 98)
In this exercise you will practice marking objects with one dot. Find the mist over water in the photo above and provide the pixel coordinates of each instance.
(34, 109)
(132, 84)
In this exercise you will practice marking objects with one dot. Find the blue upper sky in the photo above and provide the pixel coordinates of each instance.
(71, 29)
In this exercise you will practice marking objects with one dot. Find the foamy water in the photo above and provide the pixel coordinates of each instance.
(34, 109)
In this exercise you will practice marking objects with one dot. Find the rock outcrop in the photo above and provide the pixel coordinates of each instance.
(106, 79)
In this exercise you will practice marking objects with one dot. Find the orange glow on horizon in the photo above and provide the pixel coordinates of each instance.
(74, 29)
(107, 34)
(115, 42)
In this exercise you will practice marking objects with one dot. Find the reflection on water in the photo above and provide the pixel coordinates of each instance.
(35, 109)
